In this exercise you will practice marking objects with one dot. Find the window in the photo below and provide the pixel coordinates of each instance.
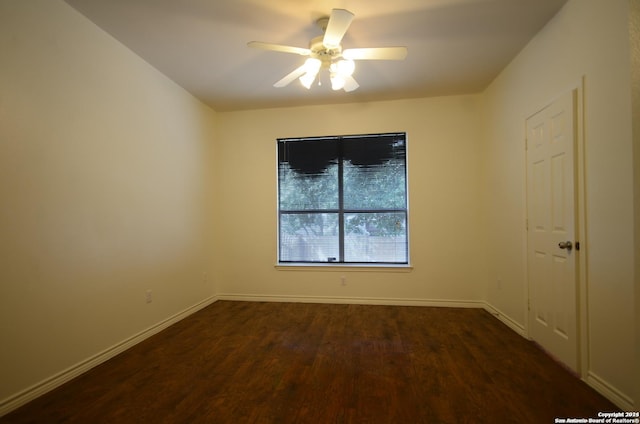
(343, 199)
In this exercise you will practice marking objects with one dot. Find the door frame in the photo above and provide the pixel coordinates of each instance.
(582, 321)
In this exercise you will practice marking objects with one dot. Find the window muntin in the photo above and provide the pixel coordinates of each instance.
(343, 200)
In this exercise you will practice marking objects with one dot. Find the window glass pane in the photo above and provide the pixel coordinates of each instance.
(343, 199)
(376, 237)
(309, 237)
(308, 175)
(374, 173)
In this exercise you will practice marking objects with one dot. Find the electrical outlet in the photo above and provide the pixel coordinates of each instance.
(148, 296)
(343, 280)
(499, 284)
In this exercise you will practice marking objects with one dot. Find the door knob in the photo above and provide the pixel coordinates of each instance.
(565, 245)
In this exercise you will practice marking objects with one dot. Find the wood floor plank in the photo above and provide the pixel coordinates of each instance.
(251, 362)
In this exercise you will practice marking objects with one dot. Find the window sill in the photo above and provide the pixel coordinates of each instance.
(343, 267)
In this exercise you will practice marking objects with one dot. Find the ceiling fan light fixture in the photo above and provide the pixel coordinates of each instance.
(345, 67)
(339, 71)
(312, 67)
(307, 79)
(337, 81)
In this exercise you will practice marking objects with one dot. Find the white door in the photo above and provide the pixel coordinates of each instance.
(551, 224)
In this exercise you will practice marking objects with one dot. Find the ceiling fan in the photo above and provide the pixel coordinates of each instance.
(325, 52)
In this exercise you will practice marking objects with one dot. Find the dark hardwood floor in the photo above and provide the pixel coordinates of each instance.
(242, 362)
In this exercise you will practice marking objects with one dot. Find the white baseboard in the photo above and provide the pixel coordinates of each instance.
(13, 402)
(506, 319)
(607, 390)
(353, 300)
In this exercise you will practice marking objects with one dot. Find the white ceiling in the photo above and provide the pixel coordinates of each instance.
(455, 46)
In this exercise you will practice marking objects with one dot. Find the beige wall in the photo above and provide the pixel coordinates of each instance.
(587, 38)
(444, 192)
(105, 193)
(634, 37)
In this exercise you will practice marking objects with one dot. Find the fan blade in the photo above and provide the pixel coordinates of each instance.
(336, 28)
(279, 48)
(376, 53)
(350, 84)
(297, 73)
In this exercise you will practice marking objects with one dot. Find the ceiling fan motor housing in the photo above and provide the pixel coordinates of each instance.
(319, 51)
